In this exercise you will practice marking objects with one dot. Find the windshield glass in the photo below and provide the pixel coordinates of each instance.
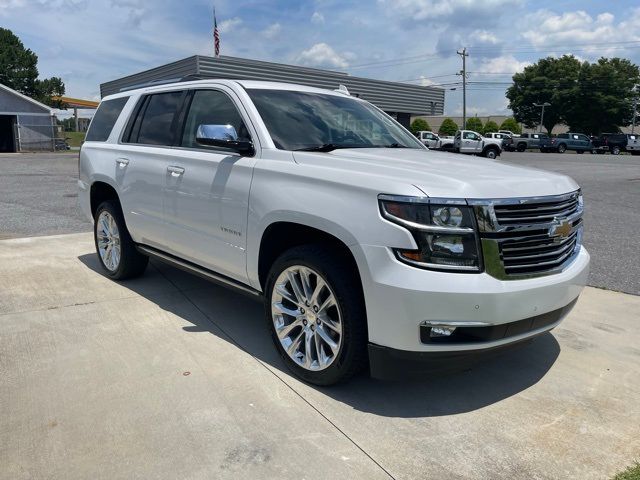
(304, 121)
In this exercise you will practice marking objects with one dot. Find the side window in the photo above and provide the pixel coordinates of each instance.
(105, 118)
(576, 137)
(156, 121)
(211, 107)
(470, 136)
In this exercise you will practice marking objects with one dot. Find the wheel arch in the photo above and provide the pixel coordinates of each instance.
(281, 235)
(100, 191)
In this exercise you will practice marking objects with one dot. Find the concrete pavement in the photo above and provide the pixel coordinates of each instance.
(168, 376)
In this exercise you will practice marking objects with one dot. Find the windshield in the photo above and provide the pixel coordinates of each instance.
(315, 121)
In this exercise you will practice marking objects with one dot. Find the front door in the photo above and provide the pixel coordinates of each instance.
(470, 143)
(206, 190)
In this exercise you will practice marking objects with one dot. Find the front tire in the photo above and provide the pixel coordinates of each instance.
(490, 153)
(116, 250)
(315, 311)
(615, 150)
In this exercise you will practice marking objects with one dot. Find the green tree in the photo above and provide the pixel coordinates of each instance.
(490, 127)
(602, 96)
(512, 125)
(550, 80)
(475, 124)
(419, 125)
(448, 127)
(18, 70)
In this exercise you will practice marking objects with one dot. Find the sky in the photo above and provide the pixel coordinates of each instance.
(87, 42)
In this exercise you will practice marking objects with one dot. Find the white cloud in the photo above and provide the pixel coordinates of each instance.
(438, 9)
(7, 5)
(548, 30)
(227, 26)
(503, 64)
(425, 82)
(272, 30)
(322, 55)
(317, 18)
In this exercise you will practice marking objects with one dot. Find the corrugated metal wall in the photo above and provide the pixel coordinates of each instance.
(389, 96)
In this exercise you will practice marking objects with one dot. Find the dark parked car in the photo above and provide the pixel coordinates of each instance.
(567, 141)
(615, 143)
(529, 140)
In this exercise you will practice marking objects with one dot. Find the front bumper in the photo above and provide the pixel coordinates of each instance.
(391, 364)
(400, 298)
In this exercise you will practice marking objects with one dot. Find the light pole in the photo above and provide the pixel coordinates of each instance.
(545, 104)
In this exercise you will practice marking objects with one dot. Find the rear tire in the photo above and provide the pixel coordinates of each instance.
(615, 150)
(297, 317)
(562, 148)
(522, 147)
(116, 250)
(580, 152)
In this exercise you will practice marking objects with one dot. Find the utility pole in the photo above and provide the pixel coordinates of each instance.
(635, 109)
(463, 72)
(545, 104)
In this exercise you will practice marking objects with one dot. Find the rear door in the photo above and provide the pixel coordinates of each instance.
(142, 163)
(206, 190)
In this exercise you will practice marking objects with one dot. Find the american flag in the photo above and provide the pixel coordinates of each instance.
(216, 35)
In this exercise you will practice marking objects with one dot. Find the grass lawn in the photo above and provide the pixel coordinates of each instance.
(631, 473)
(75, 138)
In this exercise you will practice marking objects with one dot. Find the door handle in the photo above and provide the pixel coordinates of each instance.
(122, 162)
(175, 171)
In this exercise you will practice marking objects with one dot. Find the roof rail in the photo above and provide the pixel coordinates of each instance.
(187, 78)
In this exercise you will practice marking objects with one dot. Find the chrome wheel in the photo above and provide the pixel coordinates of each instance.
(306, 317)
(108, 241)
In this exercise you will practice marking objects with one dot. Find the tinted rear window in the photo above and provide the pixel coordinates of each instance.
(158, 116)
(105, 118)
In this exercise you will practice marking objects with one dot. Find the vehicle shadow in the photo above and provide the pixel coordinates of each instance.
(239, 320)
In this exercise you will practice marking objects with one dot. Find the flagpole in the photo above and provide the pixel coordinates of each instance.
(216, 34)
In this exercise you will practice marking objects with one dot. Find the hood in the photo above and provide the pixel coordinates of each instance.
(440, 174)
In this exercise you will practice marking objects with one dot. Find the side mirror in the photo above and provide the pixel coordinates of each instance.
(223, 136)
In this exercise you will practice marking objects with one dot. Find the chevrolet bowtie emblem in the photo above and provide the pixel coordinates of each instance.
(562, 229)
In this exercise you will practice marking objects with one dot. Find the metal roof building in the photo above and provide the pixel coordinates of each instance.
(398, 99)
(25, 124)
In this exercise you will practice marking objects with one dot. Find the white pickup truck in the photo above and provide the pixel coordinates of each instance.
(434, 141)
(472, 143)
(369, 250)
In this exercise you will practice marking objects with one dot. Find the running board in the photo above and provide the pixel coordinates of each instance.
(198, 270)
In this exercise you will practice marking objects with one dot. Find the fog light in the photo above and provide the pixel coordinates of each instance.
(441, 331)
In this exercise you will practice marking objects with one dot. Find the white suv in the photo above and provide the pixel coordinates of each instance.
(367, 248)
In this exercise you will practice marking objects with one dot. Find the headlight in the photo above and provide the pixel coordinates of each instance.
(444, 231)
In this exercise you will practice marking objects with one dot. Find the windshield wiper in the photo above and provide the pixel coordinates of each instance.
(392, 145)
(327, 147)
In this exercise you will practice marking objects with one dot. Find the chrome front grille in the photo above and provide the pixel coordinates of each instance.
(537, 253)
(526, 237)
(536, 212)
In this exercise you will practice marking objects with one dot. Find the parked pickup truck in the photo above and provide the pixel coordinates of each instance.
(633, 143)
(578, 142)
(505, 138)
(470, 142)
(368, 249)
(434, 141)
(529, 140)
(615, 143)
